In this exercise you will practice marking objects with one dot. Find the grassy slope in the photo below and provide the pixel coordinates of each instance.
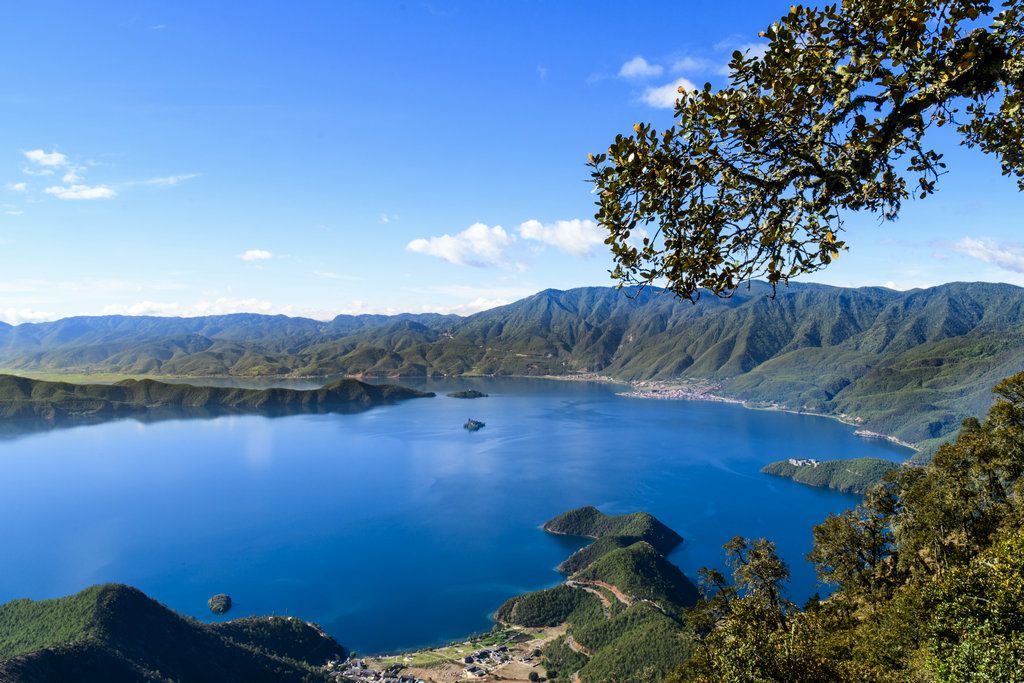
(855, 475)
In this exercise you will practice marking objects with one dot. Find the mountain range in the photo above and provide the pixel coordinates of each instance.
(910, 364)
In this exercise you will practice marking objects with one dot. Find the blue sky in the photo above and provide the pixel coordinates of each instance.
(317, 158)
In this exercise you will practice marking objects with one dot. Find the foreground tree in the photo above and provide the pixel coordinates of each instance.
(929, 571)
(753, 180)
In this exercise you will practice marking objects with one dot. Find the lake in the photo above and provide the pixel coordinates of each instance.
(396, 528)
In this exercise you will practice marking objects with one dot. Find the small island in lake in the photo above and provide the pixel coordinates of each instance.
(473, 425)
(219, 603)
(855, 475)
(467, 393)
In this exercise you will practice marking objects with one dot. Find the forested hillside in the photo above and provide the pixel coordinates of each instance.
(912, 364)
(116, 633)
(23, 399)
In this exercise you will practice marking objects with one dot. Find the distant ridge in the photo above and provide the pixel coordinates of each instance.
(911, 364)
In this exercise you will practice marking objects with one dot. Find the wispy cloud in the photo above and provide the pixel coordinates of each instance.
(255, 255)
(81, 192)
(17, 187)
(468, 308)
(576, 237)
(695, 65)
(665, 96)
(330, 275)
(219, 306)
(638, 67)
(169, 180)
(385, 218)
(1006, 256)
(478, 245)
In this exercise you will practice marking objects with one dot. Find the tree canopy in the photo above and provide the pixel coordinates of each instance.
(753, 180)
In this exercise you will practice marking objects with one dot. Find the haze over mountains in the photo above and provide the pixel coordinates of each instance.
(912, 364)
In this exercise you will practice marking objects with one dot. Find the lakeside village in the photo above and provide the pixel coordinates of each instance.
(508, 654)
(705, 391)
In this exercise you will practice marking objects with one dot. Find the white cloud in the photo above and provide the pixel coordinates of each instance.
(1006, 256)
(468, 308)
(385, 218)
(17, 187)
(577, 237)
(665, 96)
(81, 192)
(638, 67)
(14, 212)
(38, 156)
(255, 255)
(478, 245)
(16, 316)
(219, 306)
(74, 186)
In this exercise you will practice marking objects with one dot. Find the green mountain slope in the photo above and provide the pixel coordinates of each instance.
(116, 633)
(911, 364)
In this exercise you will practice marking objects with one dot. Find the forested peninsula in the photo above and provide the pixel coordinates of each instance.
(30, 400)
(853, 475)
(622, 601)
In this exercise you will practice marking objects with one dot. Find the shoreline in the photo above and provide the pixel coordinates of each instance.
(702, 390)
(661, 390)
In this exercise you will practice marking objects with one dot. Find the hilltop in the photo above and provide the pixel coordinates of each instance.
(910, 364)
(610, 533)
(116, 633)
(622, 601)
(24, 398)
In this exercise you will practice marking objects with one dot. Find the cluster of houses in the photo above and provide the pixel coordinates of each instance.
(477, 665)
(358, 670)
(481, 661)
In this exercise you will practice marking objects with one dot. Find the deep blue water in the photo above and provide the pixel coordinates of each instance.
(396, 528)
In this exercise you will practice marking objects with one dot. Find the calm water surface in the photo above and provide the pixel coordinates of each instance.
(396, 528)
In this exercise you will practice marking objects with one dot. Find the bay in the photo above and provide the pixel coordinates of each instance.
(396, 528)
